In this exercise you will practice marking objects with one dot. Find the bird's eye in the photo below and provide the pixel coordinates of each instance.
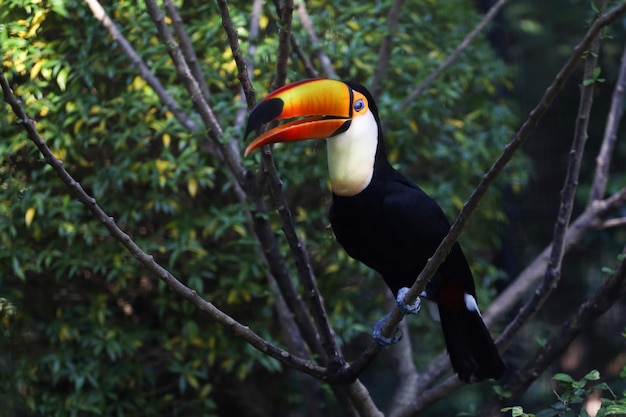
(359, 105)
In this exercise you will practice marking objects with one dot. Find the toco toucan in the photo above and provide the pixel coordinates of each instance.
(379, 216)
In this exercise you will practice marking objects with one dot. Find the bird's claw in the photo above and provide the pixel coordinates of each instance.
(385, 342)
(404, 307)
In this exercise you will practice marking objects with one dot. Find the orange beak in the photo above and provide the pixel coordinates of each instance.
(319, 109)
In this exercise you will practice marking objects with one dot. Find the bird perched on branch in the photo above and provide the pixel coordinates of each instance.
(379, 216)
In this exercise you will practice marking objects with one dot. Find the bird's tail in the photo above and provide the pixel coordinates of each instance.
(472, 352)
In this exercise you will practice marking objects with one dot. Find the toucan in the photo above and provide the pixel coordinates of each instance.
(379, 216)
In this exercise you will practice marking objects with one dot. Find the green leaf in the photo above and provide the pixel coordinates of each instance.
(616, 409)
(563, 378)
(62, 78)
(593, 375)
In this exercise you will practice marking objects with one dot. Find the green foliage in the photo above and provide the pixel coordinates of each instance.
(571, 395)
(86, 331)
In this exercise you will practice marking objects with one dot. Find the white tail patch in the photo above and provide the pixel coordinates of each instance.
(470, 303)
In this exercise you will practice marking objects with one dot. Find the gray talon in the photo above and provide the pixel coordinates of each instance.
(404, 307)
(385, 342)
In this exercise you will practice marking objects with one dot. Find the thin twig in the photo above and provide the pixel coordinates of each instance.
(187, 48)
(329, 351)
(454, 55)
(183, 70)
(144, 71)
(614, 223)
(384, 51)
(233, 42)
(309, 68)
(307, 23)
(310, 387)
(285, 11)
(603, 160)
(247, 97)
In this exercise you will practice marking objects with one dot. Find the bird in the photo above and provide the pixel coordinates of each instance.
(379, 216)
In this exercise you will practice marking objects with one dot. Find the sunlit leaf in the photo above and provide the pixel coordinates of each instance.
(29, 216)
(192, 186)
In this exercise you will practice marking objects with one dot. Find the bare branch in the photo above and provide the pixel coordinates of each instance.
(233, 41)
(262, 227)
(203, 108)
(325, 61)
(305, 272)
(384, 51)
(454, 55)
(310, 387)
(144, 71)
(309, 68)
(603, 160)
(614, 223)
(247, 97)
(187, 48)
(285, 11)
(362, 400)
(428, 397)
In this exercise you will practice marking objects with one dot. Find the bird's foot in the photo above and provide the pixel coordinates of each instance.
(385, 342)
(404, 307)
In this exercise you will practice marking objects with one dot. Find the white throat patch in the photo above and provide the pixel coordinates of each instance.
(351, 156)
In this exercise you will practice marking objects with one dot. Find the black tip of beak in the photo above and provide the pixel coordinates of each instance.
(264, 112)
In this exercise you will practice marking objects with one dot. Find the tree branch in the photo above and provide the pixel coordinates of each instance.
(187, 48)
(384, 51)
(144, 71)
(614, 223)
(603, 160)
(285, 11)
(233, 42)
(325, 61)
(309, 68)
(454, 55)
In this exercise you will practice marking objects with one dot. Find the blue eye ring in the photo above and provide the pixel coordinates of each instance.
(359, 105)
